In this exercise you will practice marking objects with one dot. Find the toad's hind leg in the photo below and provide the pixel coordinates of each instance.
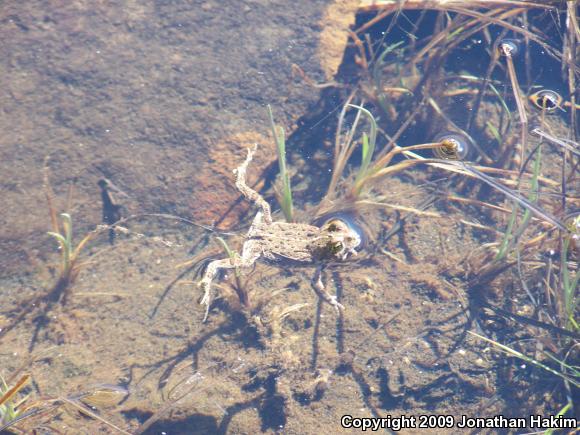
(250, 253)
(210, 273)
(248, 192)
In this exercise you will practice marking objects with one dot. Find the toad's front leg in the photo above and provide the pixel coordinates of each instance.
(321, 291)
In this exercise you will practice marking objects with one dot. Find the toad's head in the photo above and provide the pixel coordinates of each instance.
(341, 239)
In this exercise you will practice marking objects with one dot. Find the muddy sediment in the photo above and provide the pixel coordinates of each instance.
(162, 99)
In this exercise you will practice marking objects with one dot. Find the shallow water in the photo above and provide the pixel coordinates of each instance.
(160, 99)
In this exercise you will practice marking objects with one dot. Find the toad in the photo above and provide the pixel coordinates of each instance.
(281, 241)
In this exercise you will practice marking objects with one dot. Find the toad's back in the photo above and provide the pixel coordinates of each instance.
(285, 240)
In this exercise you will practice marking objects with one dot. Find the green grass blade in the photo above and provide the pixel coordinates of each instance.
(501, 100)
(526, 358)
(494, 131)
(533, 198)
(380, 61)
(510, 194)
(574, 369)
(59, 237)
(563, 411)
(67, 227)
(569, 286)
(508, 233)
(368, 143)
(279, 138)
(226, 248)
(231, 254)
(511, 237)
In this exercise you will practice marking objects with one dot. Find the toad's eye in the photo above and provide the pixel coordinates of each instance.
(546, 100)
(509, 47)
(454, 146)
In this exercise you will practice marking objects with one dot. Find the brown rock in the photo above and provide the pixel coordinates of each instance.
(218, 201)
(335, 23)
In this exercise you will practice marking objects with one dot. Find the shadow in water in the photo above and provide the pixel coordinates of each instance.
(191, 424)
